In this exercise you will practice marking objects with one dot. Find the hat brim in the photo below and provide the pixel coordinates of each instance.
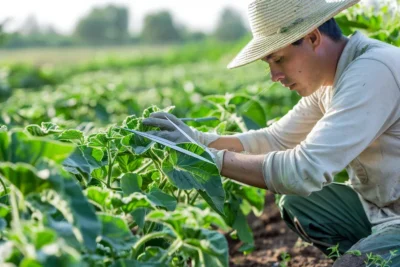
(261, 46)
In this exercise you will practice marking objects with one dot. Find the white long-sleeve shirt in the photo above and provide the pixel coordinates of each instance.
(354, 124)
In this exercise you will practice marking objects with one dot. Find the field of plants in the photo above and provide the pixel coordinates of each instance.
(76, 189)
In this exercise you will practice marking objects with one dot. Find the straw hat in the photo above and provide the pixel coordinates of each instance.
(277, 23)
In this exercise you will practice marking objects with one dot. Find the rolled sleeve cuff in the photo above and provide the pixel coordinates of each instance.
(267, 173)
(249, 144)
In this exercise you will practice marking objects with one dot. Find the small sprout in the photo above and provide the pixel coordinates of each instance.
(285, 259)
(334, 252)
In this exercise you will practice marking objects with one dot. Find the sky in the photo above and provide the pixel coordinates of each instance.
(196, 14)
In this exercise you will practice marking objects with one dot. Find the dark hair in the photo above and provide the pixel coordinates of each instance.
(330, 29)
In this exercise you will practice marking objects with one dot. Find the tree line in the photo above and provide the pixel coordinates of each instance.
(109, 25)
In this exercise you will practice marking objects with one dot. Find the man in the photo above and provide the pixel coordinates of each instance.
(349, 116)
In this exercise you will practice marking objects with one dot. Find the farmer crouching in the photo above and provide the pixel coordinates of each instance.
(349, 117)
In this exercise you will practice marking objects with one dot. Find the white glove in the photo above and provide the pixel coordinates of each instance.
(218, 157)
(169, 131)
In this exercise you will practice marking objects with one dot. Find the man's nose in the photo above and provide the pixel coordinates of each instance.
(277, 76)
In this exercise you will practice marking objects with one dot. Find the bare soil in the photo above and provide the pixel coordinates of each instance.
(272, 239)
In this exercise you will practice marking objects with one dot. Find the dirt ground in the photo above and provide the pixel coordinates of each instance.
(272, 238)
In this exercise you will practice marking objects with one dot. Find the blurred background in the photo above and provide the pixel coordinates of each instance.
(92, 25)
(99, 61)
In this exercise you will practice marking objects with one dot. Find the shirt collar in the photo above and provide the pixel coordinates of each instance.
(354, 48)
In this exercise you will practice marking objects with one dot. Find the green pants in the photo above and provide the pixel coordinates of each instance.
(334, 216)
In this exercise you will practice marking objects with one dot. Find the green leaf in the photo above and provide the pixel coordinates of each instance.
(153, 255)
(85, 160)
(43, 238)
(99, 140)
(251, 110)
(64, 230)
(46, 128)
(100, 196)
(115, 232)
(134, 263)
(71, 135)
(84, 216)
(28, 179)
(187, 172)
(133, 201)
(255, 197)
(187, 216)
(162, 199)
(129, 163)
(242, 227)
(236, 219)
(4, 210)
(28, 262)
(19, 147)
(132, 122)
(131, 183)
(5, 140)
(139, 216)
(212, 247)
(139, 144)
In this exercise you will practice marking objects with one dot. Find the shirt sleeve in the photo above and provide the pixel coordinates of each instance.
(364, 105)
(286, 133)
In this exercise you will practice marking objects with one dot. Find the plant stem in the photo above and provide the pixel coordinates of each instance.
(150, 228)
(3, 184)
(187, 197)
(109, 165)
(145, 239)
(172, 249)
(194, 198)
(144, 167)
(179, 194)
(16, 224)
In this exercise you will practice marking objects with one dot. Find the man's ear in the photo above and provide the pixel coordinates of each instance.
(314, 38)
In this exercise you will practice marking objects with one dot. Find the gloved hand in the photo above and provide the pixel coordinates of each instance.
(169, 131)
(218, 156)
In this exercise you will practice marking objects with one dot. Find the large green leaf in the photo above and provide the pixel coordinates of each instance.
(85, 160)
(187, 172)
(67, 197)
(161, 199)
(83, 215)
(236, 219)
(29, 179)
(115, 232)
(20, 147)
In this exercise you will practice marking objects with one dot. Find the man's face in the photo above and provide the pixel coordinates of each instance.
(297, 67)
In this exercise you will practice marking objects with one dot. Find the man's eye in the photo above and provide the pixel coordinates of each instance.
(279, 60)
